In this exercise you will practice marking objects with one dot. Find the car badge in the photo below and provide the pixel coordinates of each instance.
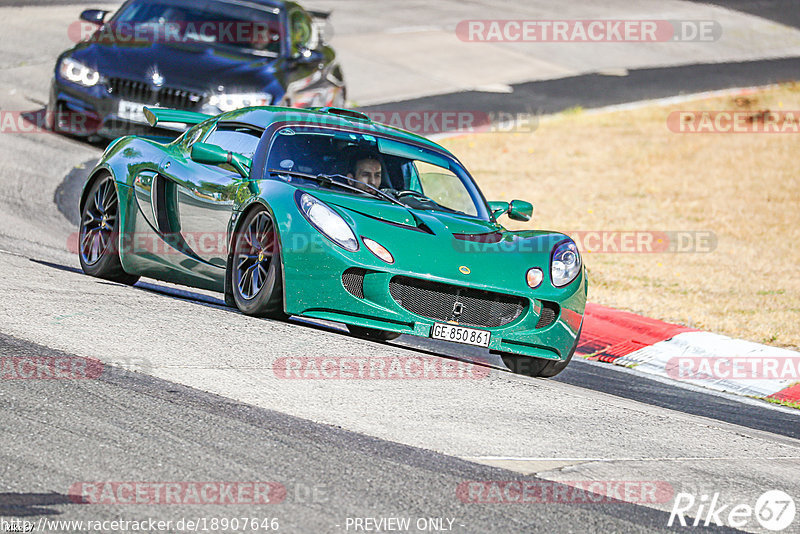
(464, 269)
(157, 79)
(458, 309)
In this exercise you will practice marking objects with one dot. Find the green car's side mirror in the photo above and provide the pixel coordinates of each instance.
(517, 210)
(209, 154)
(498, 208)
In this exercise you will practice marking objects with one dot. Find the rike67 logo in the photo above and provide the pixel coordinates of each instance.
(774, 510)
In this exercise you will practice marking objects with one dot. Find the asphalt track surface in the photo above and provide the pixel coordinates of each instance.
(191, 435)
(781, 11)
(598, 90)
(202, 409)
(596, 376)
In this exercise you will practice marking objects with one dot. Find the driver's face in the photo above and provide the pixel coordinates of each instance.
(369, 172)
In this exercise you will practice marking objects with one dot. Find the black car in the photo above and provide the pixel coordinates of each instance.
(209, 56)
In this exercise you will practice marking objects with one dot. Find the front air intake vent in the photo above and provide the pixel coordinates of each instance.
(353, 281)
(447, 302)
(548, 315)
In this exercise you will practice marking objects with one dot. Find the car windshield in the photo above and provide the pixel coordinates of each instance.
(214, 22)
(414, 176)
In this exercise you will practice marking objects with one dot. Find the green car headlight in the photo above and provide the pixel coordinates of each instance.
(77, 72)
(328, 222)
(566, 264)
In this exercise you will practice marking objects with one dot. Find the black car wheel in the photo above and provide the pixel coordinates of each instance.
(255, 265)
(99, 233)
(372, 333)
(53, 114)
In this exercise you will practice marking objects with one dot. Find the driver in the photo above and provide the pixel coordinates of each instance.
(368, 170)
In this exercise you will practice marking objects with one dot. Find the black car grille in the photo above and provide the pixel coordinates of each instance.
(353, 281)
(167, 97)
(445, 302)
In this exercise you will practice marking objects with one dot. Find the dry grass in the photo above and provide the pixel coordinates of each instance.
(789, 404)
(627, 171)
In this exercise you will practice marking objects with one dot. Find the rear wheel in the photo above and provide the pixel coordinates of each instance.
(99, 234)
(255, 276)
(372, 333)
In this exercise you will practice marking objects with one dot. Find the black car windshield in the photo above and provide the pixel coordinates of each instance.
(213, 22)
(417, 177)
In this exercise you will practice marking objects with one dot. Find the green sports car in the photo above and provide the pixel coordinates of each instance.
(325, 214)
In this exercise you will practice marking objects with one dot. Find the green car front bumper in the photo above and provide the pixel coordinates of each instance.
(324, 281)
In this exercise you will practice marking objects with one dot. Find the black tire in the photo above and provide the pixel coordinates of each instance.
(52, 113)
(372, 333)
(98, 241)
(539, 367)
(256, 282)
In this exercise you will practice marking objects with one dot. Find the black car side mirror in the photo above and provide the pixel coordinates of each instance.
(308, 57)
(95, 16)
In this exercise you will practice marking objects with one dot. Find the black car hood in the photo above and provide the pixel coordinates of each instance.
(196, 66)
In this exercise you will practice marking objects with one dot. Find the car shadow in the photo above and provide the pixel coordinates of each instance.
(418, 345)
(36, 120)
(30, 504)
(68, 193)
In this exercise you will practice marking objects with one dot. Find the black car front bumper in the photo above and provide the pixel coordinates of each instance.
(94, 112)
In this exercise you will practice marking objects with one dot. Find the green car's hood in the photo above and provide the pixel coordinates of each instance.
(448, 245)
(437, 222)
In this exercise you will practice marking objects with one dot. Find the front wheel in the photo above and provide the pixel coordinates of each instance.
(255, 277)
(539, 367)
(99, 234)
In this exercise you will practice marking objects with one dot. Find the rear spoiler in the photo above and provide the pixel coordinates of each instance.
(156, 116)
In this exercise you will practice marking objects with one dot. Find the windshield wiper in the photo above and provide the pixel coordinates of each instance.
(327, 179)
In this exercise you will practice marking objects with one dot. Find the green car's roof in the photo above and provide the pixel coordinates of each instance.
(263, 117)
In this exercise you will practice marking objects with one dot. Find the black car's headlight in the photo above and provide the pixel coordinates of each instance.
(328, 222)
(77, 72)
(566, 264)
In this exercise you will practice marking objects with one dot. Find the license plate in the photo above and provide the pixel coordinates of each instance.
(131, 111)
(459, 334)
